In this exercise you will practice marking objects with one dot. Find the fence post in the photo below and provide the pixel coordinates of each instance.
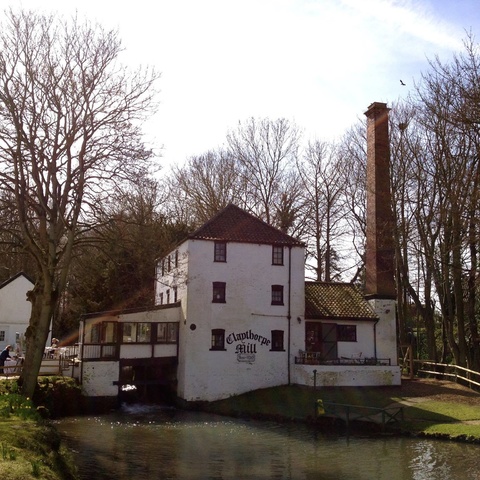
(315, 379)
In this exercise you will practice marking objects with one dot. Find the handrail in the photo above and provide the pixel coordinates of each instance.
(11, 370)
(445, 372)
(357, 412)
(60, 363)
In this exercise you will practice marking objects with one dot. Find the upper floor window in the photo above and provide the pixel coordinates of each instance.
(277, 294)
(167, 332)
(163, 267)
(144, 332)
(277, 340)
(176, 258)
(218, 339)
(219, 289)
(161, 298)
(168, 296)
(175, 294)
(277, 255)
(2, 335)
(220, 252)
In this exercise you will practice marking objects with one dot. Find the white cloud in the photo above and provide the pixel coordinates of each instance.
(318, 62)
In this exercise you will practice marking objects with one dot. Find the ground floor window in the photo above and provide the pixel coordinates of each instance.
(2, 335)
(277, 340)
(346, 333)
(218, 339)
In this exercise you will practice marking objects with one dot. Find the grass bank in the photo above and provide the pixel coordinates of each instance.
(30, 448)
(430, 408)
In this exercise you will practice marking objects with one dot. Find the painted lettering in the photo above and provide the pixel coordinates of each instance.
(249, 335)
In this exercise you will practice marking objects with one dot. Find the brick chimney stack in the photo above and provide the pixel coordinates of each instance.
(379, 257)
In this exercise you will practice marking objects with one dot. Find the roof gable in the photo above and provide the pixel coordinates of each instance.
(232, 224)
(11, 279)
(336, 301)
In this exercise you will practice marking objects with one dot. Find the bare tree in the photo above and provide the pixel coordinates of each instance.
(206, 184)
(353, 148)
(266, 151)
(70, 130)
(324, 208)
(437, 178)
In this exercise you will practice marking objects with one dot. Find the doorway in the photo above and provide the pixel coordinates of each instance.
(321, 338)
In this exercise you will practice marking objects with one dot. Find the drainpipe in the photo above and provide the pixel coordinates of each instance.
(375, 338)
(82, 351)
(289, 316)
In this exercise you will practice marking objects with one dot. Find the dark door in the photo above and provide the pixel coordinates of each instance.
(329, 341)
(321, 338)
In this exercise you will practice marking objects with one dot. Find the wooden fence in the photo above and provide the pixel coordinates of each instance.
(462, 375)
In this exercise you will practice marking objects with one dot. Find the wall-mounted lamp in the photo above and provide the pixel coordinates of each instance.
(299, 320)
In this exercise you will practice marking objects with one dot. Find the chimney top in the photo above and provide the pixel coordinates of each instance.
(377, 106)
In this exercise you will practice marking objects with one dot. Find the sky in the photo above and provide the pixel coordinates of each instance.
(318, 63)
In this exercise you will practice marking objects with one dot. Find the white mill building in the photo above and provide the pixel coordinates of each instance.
(234, 313)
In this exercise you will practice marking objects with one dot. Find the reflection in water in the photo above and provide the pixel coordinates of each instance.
(154, 443)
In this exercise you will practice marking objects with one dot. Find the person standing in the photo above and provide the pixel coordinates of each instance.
(3, 357)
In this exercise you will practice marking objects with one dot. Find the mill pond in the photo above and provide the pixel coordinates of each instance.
(151, 442)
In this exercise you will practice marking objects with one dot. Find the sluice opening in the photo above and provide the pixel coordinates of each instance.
(147, 381)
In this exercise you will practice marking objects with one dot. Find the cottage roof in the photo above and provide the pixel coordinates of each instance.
(336, 301)
(232, 224)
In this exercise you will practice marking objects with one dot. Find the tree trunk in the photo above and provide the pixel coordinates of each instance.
(43, 301)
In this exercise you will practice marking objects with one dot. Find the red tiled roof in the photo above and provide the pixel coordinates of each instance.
(336, 301)
(232, 224)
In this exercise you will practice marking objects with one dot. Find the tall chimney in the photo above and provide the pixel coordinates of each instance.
(379, 256)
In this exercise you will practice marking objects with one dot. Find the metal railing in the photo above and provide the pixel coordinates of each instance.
(315, 358)
(350, 413)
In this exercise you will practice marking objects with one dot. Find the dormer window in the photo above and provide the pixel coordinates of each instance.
(220, 254)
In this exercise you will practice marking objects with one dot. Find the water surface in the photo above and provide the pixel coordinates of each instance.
(140, 443)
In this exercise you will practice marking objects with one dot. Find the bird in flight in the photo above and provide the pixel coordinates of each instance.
(401, 83)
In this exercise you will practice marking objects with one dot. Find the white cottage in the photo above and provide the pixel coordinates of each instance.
(15, 310)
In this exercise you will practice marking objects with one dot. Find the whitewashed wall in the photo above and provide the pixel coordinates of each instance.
(386, 329)
(346, 375)
(209, 375)
(98, 379)
(176, 277)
